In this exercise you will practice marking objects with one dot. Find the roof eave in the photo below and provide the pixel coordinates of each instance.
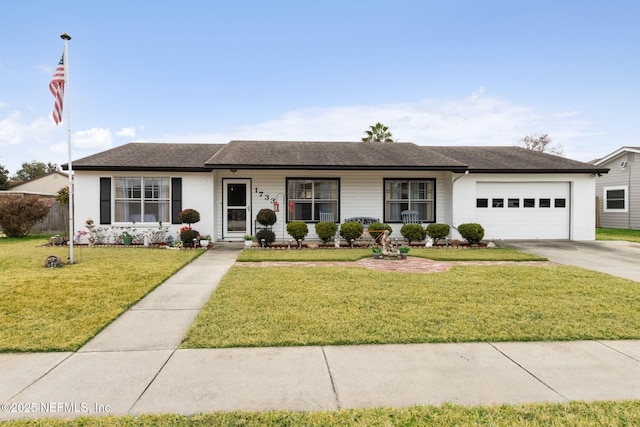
(541, 171)
(336, 167)
(138, 169)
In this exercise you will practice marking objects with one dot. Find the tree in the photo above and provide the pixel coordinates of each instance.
(18, 213)
(4, 178)
(33, 170)
(541, 143)
(378, 133)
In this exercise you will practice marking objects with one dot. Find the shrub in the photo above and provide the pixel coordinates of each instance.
(268, 236)
(413, 232)
(18, 214)
(438, 231)
(351, 230)
(471, 232)
(189, 216)
(326, 231)
(298, 230)
(187, 235)
(377, 227)
(266, 217)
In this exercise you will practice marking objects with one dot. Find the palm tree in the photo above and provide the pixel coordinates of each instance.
(378, 133)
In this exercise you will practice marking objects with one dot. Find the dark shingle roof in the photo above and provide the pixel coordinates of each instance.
(329, 155)
(150, 156)
(514, 160)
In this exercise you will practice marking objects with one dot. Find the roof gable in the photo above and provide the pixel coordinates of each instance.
(618, 152)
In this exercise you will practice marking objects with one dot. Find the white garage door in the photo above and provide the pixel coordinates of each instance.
(524, 210)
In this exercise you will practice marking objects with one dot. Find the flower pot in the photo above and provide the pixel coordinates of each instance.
(403, 256)
(376, 256)
(127, 240)
(204, 243)
(248, 243)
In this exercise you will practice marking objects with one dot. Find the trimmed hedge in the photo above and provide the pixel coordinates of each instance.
(471, 232)
(298, 230)
(326, 231)
(413, 232)
(266, 234)
(351, 230)
(438, 231)
(266, 217)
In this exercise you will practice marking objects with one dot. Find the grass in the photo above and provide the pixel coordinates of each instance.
(47, 309)
(349, 305)
(573, 414)
(617, 234)
(502, 254)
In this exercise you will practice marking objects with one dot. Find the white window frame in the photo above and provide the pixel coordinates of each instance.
(142, 200)
(605, 190)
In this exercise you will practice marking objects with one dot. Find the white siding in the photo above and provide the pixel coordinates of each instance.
(197, 193)
(361, 194)
(581, 203)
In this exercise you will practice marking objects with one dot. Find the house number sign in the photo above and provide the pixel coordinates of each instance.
(265, 196)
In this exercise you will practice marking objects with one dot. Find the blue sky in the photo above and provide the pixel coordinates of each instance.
(436, 72)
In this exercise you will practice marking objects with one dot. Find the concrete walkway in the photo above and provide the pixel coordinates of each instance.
(134, 367)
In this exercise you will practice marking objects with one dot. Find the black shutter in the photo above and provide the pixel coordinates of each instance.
(176, 200)
(105, 200)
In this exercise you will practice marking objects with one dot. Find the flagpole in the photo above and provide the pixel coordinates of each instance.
(66, 39)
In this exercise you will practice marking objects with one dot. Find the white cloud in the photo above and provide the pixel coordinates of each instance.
(475, 120)
(92, 138)
(13, 131)
(3, 104)
(129, 132)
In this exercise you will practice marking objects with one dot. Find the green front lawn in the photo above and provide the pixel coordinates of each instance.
(572, 414)
(60, 309)
(283, 306)
(617, 234)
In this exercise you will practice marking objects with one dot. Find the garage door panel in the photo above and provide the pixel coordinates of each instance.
(525, 222)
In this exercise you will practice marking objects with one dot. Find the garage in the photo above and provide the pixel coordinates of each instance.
(524, 210)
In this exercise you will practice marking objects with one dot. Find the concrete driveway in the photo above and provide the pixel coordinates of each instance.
(617, 258)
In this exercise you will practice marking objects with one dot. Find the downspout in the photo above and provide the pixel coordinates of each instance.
(629, 196)
(452, 192)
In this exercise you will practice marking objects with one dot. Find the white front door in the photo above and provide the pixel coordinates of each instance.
(237, 208)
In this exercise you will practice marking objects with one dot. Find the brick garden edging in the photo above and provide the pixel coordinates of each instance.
(410, 265)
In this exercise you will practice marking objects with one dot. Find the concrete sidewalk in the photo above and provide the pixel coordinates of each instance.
(133, 367)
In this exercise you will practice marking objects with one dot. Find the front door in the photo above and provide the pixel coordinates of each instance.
(237, 208)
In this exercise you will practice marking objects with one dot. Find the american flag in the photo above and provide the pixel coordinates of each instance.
(57, 89)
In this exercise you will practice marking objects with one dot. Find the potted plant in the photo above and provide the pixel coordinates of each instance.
(126, 238)
(248, 240)
(377, 252)
(205, 240)
(404, 250)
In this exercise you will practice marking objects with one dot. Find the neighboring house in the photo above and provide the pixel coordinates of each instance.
(48, 184)
(514, 193)
(618, 192)
(46, 187)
